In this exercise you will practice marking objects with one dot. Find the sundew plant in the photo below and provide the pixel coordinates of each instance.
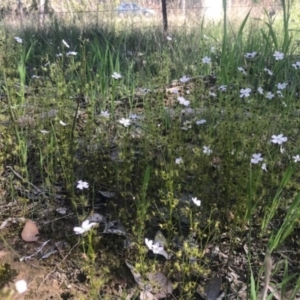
(152, 166)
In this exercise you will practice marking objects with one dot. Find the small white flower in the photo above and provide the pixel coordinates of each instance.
(82, 185)
(59, 55)
(134, 117)
(183, 101)
(245, 92)
(125, 122)
(278, 139)
(196, 201)
(199, 122)
(212, 94)
(186, 125)
(264, 167)
(156, 248)
(279, 93)
(184, 79)
(65, 43)
(260, 90)
(207, 150)
(85, 226)
(18, 39)
(44, 131)
(35, 76)
(278, 55)
(242, 70)
(62, 123)
(296, 65)
(270, 95)
(282, 86)
(212, 49)
(104, 113)
(71, 53)
(21, 286)
(178, 161)
(256, 158)
(296, 158)
(116, 75)
(169, 38)
(268, 71)
(222, 88)
(206, 60)
(250, 54)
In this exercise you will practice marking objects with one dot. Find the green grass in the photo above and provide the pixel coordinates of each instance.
(242, 205)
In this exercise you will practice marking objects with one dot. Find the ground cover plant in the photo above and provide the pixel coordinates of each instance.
(151, 166)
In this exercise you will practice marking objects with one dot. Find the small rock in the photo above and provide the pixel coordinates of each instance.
(30, 232)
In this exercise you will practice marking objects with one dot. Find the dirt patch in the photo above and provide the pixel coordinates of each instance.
(51, 279)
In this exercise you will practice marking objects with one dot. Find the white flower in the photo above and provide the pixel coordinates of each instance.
(169, 38)
(250, 54)
(178, 161)
(82, 185)
(270, 95)
(18, 39)
(207, 150)
(212, 49)
(264, 167)
(212, 94)
(296, 158)
(282, 86)
(134, 117)
(71, 53)
(268, 71)
(44, 131)
(116, 75)
(183, 101)
(125, 122)
(206, 60)
(156, 248)
(65, 43)
(296, 65)
(199, 122)
(242, 70)
(21, 286)
(186, 125)
(245, 92)
(278, 139)
(35, 76)
(222, 88)
(85, 226)
(59, 55)
(278, 55)
(256, 158)
(184, 79)
(196, 201)
(279, 93)
(104, 113)
(62, 123)
(260, 90)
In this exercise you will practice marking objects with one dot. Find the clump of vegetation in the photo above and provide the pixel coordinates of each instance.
(177, 155)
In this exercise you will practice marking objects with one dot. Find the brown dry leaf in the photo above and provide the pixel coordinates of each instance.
(161, 285)
(30, 232)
